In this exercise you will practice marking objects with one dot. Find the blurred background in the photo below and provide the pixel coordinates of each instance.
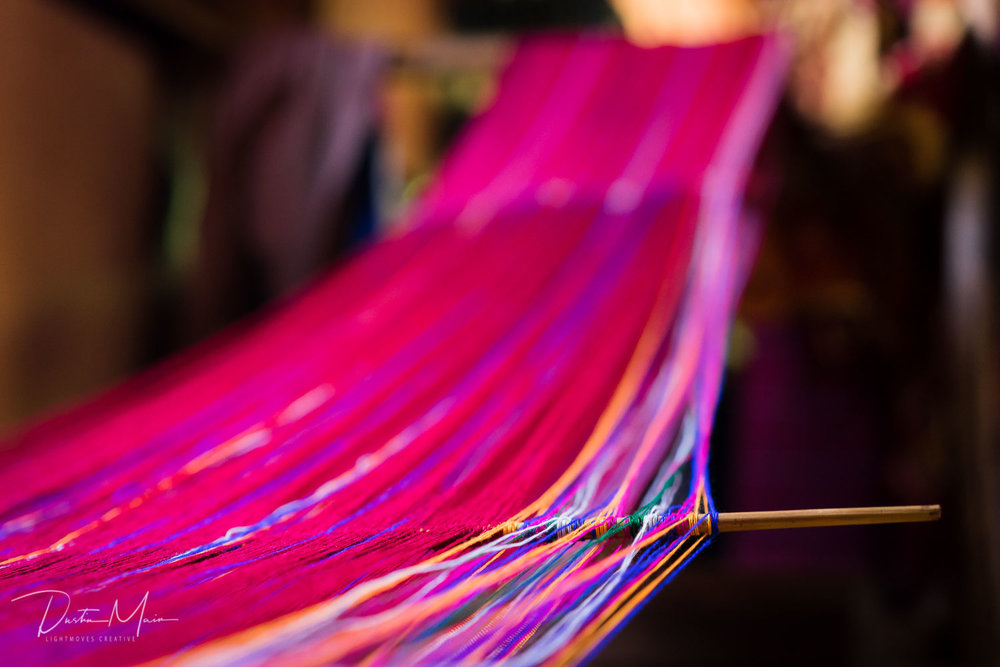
(169, 166)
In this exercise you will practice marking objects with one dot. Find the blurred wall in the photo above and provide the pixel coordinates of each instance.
(410, 107)
(77, 109)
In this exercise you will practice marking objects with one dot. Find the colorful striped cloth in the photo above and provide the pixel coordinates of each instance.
(483, 439)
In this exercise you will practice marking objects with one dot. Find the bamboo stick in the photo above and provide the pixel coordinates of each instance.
(731, 522)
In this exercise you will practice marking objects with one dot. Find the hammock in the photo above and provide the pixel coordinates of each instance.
(483, 439)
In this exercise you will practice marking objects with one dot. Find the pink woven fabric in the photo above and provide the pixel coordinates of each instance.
(416, 459)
